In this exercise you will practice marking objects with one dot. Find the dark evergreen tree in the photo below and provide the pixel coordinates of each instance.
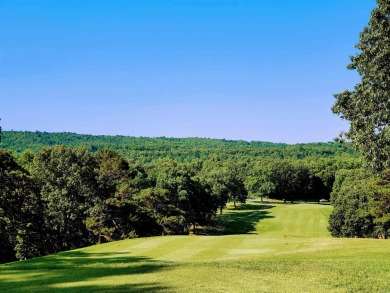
(20, 212)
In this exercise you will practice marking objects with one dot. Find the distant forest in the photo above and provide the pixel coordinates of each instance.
(146, 149)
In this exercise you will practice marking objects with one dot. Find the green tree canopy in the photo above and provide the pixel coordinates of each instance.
(361, 205)
(66, 178)
(20, 211)
(367, 107)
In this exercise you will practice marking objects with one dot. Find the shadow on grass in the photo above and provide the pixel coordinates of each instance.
(78, 271)
(240, 220)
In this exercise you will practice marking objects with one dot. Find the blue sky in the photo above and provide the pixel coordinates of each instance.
(252, 70)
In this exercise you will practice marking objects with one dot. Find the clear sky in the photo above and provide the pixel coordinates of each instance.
(253, 70)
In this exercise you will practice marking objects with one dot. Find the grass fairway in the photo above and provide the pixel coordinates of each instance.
(257, 248)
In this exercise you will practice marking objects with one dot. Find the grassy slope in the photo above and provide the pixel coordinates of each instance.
(286, 248)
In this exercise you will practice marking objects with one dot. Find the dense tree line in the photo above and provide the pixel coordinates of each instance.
(62, 198)
(147, 150)
(310, 179)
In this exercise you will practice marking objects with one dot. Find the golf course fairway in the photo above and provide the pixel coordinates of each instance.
(255, 248)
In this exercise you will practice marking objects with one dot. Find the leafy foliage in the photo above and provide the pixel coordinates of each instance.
(77, 197)
(361, 205)
(362, 201)
(148, 150)
(66, 179)
(367, 107)
(20, 211)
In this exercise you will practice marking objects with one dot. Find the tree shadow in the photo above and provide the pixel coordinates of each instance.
(68, 272)
(240, 220)
(250, 207)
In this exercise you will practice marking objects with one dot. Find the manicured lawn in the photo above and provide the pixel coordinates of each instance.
(254, 248)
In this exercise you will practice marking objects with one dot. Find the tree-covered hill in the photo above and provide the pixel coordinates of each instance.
(148, 149)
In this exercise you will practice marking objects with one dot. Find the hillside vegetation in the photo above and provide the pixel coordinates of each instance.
(61, 198)
(265, 248)
(146, 149)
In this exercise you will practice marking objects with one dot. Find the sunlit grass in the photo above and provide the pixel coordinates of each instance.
(255, 248)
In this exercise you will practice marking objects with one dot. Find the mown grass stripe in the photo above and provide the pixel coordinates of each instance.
(275, 248)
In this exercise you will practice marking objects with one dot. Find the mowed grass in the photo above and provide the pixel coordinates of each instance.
(255, 248)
